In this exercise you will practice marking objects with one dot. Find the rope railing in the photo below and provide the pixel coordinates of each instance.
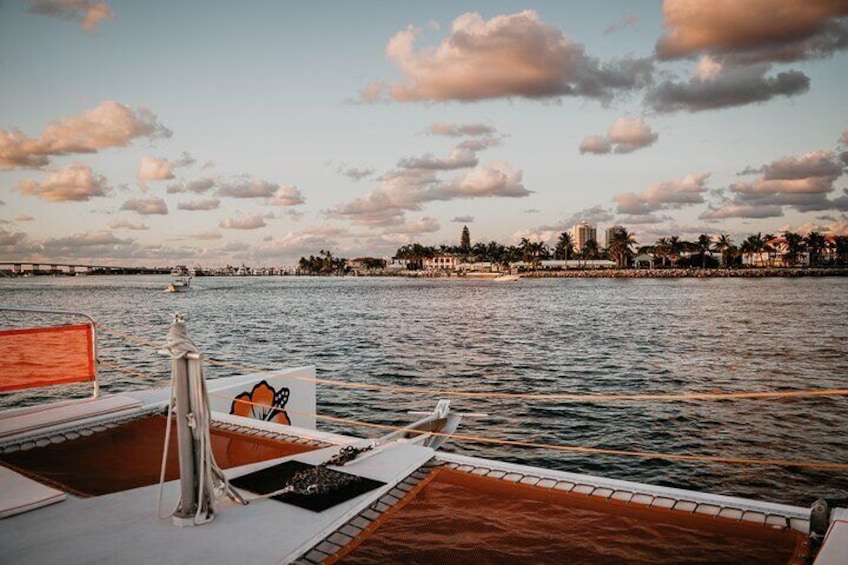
(564, 397)
(576, 448)
(833, 466)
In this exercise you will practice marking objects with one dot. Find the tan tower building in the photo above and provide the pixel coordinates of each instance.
(583, 232)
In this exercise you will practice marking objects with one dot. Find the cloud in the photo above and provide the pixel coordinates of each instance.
(198, 186)
(628, 21)
(597, 144)
(594, 215)
(408, 190)
(644, 219)
(463, 219)
(753, 30)
(126, 225)
(244, 222)
(108, 125)
(461, 130)
(146, 206)
(14, 244)
(205, 235)
(87, 244)
(24, 218)
(624, 136)
(514, 55)
(422, 225)
(354, 173)
(198, 205)
(287, 196)
(800, 182)
(727, 87)
(458, 159)
(87, 13)
(843, 139)
(248, 189)
(741, 210)
(161, 169)
(664, 195)
(274, 193)
(74, 183)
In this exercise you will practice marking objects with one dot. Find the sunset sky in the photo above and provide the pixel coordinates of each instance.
(210, 133)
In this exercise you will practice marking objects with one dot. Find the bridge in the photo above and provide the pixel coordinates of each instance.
(28, 268)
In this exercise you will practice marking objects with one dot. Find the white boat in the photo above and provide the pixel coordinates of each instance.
(179, 285)
(508, 278)
(254, 481)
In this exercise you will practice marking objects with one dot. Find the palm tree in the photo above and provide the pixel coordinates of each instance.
(564, 246)
(816, 243)
(675, 248)
(703, 246)
(662, 248)
(723, 246)
(590, 249)
(794, 246)
(755, 245)
(620, 248)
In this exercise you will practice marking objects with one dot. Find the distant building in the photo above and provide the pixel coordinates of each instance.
(441, 262)
(583, 232)
(610, 233)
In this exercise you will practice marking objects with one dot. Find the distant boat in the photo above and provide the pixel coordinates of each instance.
(507, 278)
(179, 285)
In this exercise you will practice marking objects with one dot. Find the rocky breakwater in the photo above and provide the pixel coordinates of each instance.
(690, 273)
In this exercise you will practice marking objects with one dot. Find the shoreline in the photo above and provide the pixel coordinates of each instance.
(760, 272)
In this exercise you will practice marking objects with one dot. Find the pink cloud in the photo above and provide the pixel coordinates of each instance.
(244, 222)
(756, 30)
(508, 55)
(74, 183)
(287, 196)
(664, 195)
(597, 144)
(146, 206)
(126, 225)
(87, 13)
(108, 125)
(624, 136)
(161, 169)
(199, 205)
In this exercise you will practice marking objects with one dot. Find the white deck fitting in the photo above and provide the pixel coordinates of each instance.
(122, 527)
(20, 494)
(834, 551)
(28, 422)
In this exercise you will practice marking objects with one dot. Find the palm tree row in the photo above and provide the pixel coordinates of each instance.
(758, 249)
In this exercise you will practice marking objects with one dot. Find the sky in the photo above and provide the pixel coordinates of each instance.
(211, 133)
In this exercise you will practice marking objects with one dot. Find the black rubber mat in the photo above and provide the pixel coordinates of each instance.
(276, 477)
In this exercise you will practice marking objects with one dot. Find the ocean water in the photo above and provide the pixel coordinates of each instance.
(545, 336)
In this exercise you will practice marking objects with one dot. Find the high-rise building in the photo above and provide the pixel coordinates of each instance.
(583, 232)
(611, 233)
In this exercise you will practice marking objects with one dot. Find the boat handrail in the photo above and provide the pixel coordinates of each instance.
(91, 323)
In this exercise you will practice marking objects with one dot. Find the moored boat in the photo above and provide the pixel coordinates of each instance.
(179, 285)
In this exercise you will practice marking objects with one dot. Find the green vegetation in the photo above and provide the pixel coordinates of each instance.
(788, 249)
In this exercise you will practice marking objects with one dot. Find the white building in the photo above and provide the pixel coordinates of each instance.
(441, 263)
(583, 232)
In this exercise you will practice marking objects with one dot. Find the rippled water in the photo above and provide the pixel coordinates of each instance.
(543, 336)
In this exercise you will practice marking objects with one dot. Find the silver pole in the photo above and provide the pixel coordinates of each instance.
(184, 516)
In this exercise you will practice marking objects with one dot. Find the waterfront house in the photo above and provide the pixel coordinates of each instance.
(441, 262)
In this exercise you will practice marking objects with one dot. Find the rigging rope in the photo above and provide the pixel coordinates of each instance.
(565, 397)
(580, 449)
(557, 447)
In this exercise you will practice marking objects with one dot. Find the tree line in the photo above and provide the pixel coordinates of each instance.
(705, 252)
